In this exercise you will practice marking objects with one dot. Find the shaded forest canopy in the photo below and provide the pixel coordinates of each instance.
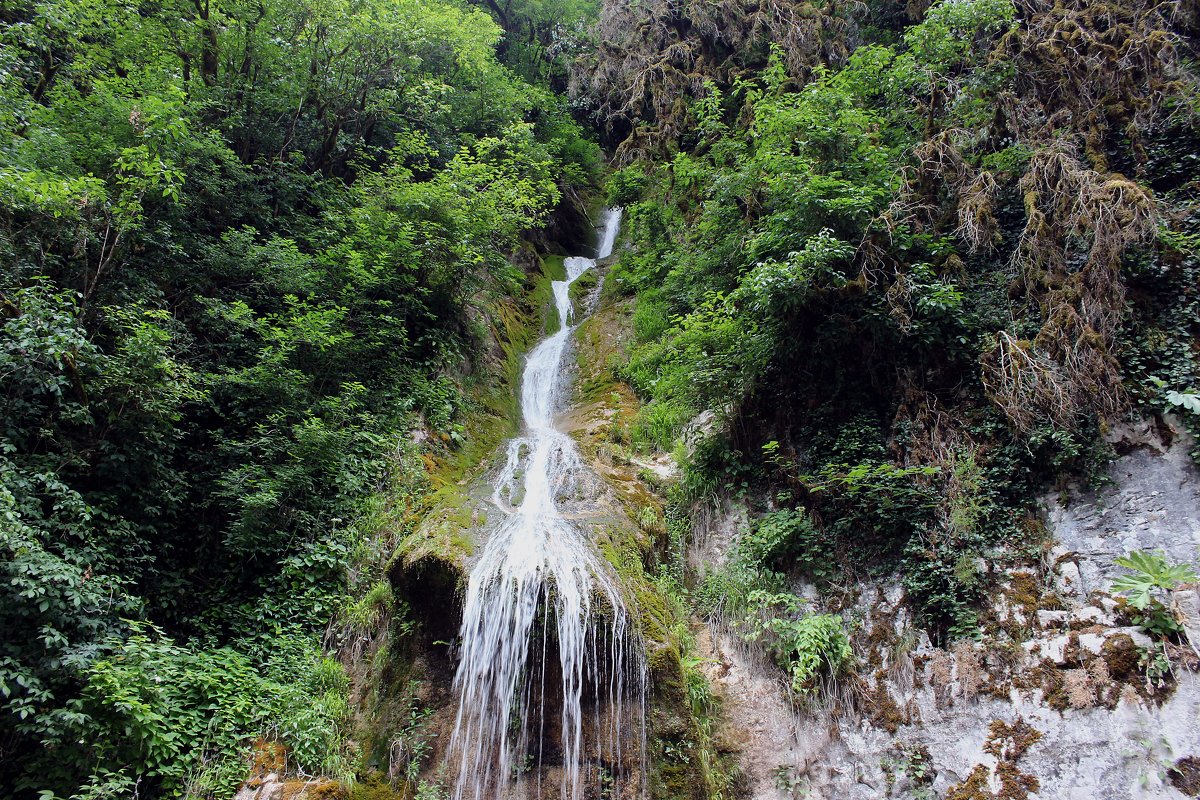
(264, 268)
(247, 249)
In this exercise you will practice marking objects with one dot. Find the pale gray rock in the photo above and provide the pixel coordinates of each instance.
(1090, 615)
(268, 787)
(1086, 750)
(1052, 619)
(1068, 579)
(1186, 605)
(1153, 503)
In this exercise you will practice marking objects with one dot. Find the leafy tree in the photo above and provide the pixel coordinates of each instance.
(247, 247)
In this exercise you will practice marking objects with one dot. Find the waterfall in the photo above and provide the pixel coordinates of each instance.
(539, 582)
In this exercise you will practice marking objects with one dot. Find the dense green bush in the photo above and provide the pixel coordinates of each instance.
(810, 647)
(789, 540)
(183, 717)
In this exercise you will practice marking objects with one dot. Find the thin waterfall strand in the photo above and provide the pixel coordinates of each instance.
(536, 558)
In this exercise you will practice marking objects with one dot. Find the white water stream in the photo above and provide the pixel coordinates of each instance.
(545, 622)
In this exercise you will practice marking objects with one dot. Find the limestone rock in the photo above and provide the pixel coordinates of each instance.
(1138, 635)
(1091, 642)
(1100, 737)
(1068, 579)
(1186, 605)
(1153, 503)
(1052, 619)
(1091, 615)
(268, 787)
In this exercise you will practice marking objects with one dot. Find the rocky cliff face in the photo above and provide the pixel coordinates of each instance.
(1054, 701)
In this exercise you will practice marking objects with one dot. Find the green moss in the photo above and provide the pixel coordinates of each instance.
(1122, 657)
(553, 269)
(1008, 743)
(541, 295)
(581, 288)
(683, 760)
(375, 787)
(493, 416)
(882, 709)
(674, 775)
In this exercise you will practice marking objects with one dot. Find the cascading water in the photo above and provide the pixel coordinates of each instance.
(538, 566)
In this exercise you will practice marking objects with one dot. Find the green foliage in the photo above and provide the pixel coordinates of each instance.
(625, 186)
(176, 714)
(833, 252)
(1159, 356)
(428, 790)
(939, 579)
(811, 647)
(414, 738)
(788, 540)
(104, 785)
(953, 29)
(748, 593)
(715, 308)
(1189, 401)
(879, 501)
(56, 581)
(366, 612)
(247, 248)
(659, 423)
(1151, 575)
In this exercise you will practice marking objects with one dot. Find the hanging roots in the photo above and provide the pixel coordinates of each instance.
(1026, 384)
(940, 184)
(976, 223)
(1079, 224)
(656, 57)
(1106, 66)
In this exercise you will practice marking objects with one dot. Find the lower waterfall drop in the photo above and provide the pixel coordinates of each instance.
(539, 575)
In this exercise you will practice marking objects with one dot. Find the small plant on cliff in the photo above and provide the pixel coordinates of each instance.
(787, 781)
(1186, 400)
(1151, 576)
(431, 791)
(811, 648)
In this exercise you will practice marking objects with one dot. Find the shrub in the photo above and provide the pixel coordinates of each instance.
(787, 539)
(658, 423)
(877, 502)
(625, 186)
(810, 647)
(943, 593)
(179, 714)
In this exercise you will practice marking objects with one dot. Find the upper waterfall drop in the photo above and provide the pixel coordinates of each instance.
(538, 587)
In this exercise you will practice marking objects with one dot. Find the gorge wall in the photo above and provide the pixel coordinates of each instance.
(1052, 700)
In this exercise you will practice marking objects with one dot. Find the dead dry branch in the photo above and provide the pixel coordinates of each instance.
(654, 59)
(1025, 383)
